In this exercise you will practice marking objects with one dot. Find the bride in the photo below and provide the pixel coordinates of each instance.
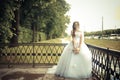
(75, 61)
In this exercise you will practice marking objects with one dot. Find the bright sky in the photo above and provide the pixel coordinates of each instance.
(89, 13)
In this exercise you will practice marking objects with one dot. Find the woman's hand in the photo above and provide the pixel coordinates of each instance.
(76, 50)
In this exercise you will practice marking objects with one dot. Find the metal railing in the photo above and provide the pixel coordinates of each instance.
(105, 62)
(30, 53)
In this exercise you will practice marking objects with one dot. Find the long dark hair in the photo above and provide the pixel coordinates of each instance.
(74, 28)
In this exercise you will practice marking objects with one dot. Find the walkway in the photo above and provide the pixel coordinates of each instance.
(28, 73)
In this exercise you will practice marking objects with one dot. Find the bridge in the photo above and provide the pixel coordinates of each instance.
(39, 57)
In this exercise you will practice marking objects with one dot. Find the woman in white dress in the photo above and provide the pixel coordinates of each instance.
(76, 59)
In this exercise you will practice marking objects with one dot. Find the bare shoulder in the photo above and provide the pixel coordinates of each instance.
(80, 31)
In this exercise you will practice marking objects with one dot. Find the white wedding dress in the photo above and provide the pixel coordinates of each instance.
(73, 65)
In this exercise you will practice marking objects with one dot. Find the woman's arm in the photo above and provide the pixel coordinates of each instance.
(81, 39)
(73, 40)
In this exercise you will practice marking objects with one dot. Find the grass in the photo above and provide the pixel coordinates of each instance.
(111, 44)
(57, 40)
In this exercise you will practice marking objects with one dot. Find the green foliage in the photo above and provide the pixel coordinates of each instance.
(6, 15)
(105, 32)
(5, 34)
(39, 17)
(56, 25)
(25, 35)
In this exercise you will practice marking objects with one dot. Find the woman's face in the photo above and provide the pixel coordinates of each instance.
(76, 26)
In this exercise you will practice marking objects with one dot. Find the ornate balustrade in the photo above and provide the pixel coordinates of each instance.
(106, 63)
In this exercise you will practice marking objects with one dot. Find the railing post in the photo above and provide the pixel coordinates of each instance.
(107, 77)
(8, 62)
(33, 54)
(9, 57)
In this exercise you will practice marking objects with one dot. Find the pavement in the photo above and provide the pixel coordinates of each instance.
(29, 73)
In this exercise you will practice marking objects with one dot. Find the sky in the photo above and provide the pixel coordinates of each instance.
(89, 13)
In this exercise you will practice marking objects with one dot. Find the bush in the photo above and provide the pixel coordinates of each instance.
(25, 35)
(5, 34)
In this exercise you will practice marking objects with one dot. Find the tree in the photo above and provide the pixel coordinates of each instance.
(6, 16)
(57, 20)
(105, 32)
(45, 16)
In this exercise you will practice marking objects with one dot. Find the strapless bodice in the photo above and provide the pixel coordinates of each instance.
(77, 36)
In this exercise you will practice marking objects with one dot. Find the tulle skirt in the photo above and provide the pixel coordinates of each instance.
(73, 65)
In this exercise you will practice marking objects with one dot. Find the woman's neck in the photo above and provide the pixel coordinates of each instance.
(77, 30)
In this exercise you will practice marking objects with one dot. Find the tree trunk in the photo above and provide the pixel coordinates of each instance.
(15, 27)
(33, 39)
(47, 36)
